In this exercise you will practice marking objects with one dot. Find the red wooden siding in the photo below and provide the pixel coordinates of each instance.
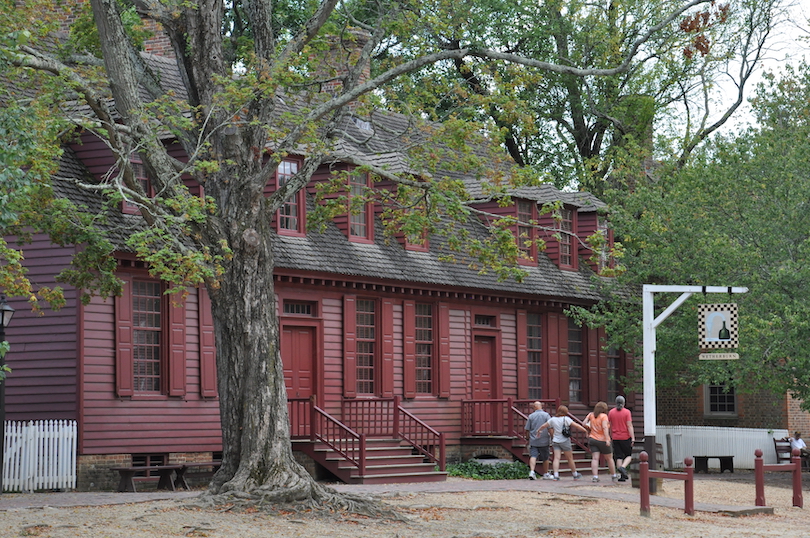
(42, 384)
(113, 424)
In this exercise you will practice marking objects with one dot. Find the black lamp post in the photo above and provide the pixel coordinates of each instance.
(5, 317)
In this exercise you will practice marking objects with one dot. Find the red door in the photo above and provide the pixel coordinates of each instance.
(482, 367)
(298, 358)
(297, 354)
(486, 414)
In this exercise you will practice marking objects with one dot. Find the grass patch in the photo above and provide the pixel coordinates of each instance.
(482, 471)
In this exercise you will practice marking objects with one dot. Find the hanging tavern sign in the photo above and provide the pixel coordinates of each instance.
(717, 329)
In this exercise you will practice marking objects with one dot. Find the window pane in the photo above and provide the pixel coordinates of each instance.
(358, 216)
(288, 215)
(366, 345)
(525, 231)
(146, 307)
(534, 345)
(575, 365)
(424, 348)
(722, 399)
(566, 241)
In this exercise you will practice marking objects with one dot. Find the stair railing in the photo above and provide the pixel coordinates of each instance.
(339, 437)
(517, 421)
(419, 435)
(577, 437)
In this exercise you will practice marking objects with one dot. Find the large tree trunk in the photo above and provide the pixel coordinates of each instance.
(258, 465)
(257, 453)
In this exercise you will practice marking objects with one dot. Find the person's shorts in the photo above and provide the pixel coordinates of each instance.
(565, 446)
(622, 448)
(599, 446)
(539, 452)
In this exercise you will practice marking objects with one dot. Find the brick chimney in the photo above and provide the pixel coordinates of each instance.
(70, 10)
(343, 52)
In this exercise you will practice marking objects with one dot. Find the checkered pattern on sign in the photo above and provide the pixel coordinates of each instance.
(704, 313)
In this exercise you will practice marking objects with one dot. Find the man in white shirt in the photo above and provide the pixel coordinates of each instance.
(797, 442)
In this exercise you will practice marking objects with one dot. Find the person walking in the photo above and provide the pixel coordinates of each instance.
(621, 428)
(538, 441)
(599, 440)
(560, 442)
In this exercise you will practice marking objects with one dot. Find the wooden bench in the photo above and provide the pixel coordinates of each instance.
(127, 474)
(180, 478)
(702, 463)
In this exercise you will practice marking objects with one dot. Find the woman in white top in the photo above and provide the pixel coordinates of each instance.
(560, 443)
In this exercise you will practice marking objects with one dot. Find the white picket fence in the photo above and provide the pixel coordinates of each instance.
(682, 441)
(40, 455)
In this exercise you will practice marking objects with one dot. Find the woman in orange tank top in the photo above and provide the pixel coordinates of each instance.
(599, 440)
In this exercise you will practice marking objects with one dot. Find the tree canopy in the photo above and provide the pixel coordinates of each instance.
(591, 131)
(736, 215)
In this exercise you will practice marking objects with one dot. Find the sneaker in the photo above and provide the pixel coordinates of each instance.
(548, 476)
(557, 478)
(577, 476)
(532, 476)
(614, 477)
(595, 479)
(623, 472)
(622, 479)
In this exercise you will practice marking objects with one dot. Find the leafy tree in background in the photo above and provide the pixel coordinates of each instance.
(592, 131)
(737, 215)
(242, 66)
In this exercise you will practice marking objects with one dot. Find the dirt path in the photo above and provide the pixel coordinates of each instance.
(471, 514)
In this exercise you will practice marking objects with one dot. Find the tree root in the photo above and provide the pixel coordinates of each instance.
(311, 499)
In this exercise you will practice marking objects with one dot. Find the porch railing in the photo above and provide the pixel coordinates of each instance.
(299, 410)
(499, 417)
(385, 418)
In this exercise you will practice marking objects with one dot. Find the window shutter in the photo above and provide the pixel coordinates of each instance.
(554, 382)
(208, 350)
(350, 346)
(124, 383)
(443, 323)
(387, 363)
(177, 348)
(522, 356)
(409, 349)
(597, 386)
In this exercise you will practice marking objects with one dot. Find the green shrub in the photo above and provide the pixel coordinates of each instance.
(483, 471)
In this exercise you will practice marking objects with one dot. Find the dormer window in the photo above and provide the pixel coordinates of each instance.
(139, 171)
(361, 224)
(526, 232)
(291, 216)
(566, 227)
(604, 261)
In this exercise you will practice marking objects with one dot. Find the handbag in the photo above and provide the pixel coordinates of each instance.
(566, 429)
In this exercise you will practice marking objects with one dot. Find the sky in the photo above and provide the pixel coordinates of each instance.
(790, 43)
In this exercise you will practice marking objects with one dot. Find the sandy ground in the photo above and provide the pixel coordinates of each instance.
(473, 514)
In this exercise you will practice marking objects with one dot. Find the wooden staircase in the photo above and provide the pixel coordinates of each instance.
(377, 441)
(387, 461)
(500, 422)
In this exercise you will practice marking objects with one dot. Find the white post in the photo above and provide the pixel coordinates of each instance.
(650, 322)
